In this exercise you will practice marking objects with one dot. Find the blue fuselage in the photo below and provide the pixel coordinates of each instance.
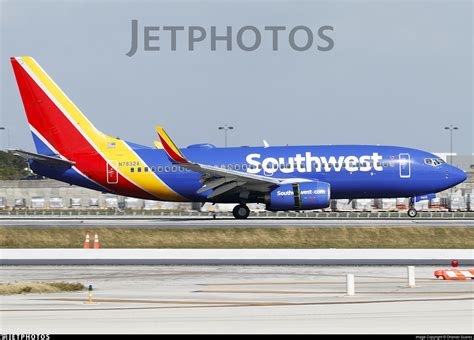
(353, 171)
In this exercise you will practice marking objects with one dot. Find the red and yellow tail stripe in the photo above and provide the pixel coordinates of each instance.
(62, 124)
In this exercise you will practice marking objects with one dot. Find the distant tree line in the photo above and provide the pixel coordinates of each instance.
(12, 167)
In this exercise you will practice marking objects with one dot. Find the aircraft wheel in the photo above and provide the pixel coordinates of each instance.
(412, 212)
(241, 211)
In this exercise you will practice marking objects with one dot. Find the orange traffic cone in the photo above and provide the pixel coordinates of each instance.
(87, 242)
(96, 242)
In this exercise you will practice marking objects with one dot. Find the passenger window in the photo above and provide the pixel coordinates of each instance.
(160, 169)
(385, 164)
(229, 167)
(146, 169)
(260, 166)
(181, 169)
(139, 169)
(237, 167)
(173, 168)
(244, 166)
(132, 169)
(153, 169)
(167, 168)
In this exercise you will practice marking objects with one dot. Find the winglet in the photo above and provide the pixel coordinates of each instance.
(170, 148)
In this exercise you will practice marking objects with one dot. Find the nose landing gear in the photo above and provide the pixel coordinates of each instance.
(412, 211)
(241, 211)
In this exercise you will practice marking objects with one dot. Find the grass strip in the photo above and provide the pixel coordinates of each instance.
(39, 287)
(263, 238)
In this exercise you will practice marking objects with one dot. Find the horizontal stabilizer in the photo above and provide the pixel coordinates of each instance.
(48, 160)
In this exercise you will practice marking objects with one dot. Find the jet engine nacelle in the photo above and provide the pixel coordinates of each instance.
(299, 196)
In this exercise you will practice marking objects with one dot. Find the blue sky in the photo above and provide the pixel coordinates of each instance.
(398, 73)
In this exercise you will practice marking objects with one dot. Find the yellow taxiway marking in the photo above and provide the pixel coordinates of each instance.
(173, 302)
(219, 304)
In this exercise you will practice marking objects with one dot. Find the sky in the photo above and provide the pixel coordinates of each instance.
(398, 73)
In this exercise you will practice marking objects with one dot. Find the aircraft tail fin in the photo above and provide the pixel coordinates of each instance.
(57, 125)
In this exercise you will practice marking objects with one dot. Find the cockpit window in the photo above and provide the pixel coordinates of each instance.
(434, 161)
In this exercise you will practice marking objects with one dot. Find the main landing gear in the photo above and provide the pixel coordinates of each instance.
(241, 212)
(412, 211)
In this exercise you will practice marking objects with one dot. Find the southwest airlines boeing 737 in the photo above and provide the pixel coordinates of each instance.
(70, 149)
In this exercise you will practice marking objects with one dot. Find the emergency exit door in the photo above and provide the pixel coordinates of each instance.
(404, 161)
(112, 174)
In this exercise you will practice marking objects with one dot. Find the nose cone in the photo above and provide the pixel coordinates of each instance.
(456, 176)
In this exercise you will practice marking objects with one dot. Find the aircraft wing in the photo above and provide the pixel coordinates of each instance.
(221, 180)
(48, 160)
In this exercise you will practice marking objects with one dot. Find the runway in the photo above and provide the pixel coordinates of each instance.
(58, 256)
(239, 299)
(199, 223)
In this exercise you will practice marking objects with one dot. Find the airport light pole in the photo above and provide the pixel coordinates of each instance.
(2, 128)
(226, 128)
(451, 128)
